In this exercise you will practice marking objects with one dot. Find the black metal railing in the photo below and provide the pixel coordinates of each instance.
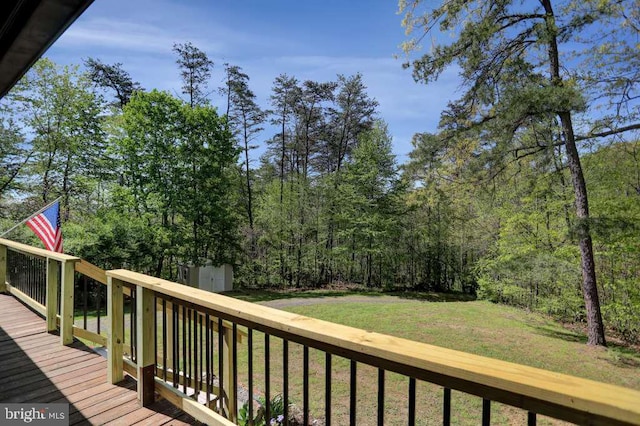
(28, 274)
(187, 348)
(129, 322)
(90, 304)
(198, 353)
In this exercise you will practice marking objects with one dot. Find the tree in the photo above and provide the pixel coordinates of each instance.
(516, 77)
(13, 157)
(62, 114)
(283, 100)
(208, 156)
(112, 77)
(178, 162)
(611, 70)
(286, 94)
(312, 100)
(353, 113)
(615, 196)
(369, 193)
(312, 127)
(195, 69)
(152, 172)
(246, 118)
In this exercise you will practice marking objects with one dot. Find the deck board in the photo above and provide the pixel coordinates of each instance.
(34, 367)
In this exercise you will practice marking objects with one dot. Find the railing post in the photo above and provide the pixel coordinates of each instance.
(3, 268)
(51, 298)
(66, 301)
(229, 386)
(115, 339)
(145, 358)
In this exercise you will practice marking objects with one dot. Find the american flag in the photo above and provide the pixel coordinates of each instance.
(46, 226)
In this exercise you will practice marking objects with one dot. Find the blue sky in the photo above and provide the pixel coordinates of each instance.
(307, 39)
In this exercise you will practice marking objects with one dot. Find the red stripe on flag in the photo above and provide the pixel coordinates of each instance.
(49, 233)
(43, 229)
(36, 229)
(45, 226)
(44, 232)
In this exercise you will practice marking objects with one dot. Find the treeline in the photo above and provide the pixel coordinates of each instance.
(515, 236)
(149, 180)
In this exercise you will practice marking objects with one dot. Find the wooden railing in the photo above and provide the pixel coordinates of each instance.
(186, 348)
(58, 286)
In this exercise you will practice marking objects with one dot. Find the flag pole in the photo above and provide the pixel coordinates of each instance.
(33, 215)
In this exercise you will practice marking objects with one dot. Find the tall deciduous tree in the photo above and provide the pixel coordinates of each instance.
(152, 174)
(516, 77)
(63, 115)
(207, 155)
(178, 162)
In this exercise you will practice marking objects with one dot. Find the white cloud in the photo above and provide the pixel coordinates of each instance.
(125, 36)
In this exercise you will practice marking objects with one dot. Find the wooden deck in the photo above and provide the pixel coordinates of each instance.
(34, 367)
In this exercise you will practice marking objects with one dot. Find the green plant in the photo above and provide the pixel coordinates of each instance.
(276, 411)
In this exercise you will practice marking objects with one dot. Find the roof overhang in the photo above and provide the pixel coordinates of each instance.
(27, 29)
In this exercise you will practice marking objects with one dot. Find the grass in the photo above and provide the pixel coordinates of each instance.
(476, 327)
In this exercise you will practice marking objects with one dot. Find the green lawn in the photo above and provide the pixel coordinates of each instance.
(477, 327)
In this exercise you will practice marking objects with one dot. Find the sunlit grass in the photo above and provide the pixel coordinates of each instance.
(476, 327)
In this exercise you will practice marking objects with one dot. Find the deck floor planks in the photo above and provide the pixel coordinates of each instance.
(29, 379)
(162, 407)
(51, 393)
(160, 419)
(34, 367)
(66, 389)
(117, 412)
(46, 364)
(46, 360)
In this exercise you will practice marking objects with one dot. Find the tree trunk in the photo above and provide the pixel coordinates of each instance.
(248, 181)
(595, 326)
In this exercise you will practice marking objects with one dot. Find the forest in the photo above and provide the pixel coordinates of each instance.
(527, 194)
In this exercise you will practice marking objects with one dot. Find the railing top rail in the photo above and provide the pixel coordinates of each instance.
(92, 271)
(24, 248)
(545, 390)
